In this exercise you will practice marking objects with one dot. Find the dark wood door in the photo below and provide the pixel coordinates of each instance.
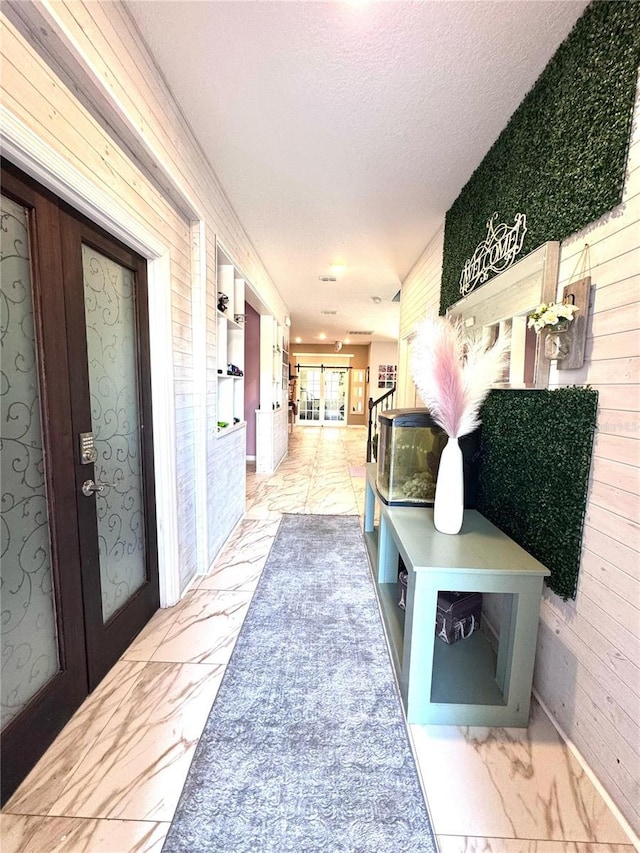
(105, 290)
(79, 571)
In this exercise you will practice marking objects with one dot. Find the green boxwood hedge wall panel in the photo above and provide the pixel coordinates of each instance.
(534, 473)
(561, 159)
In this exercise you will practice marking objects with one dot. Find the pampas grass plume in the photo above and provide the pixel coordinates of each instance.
(453, 373)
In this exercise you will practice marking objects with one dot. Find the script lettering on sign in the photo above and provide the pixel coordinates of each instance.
(495, 254)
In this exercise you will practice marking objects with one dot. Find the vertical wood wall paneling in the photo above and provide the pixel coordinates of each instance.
(420, 294)
(421, 287)
(599, 705)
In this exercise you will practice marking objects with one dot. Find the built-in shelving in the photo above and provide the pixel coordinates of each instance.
(230, 318)
(271, 418)
(274, 348)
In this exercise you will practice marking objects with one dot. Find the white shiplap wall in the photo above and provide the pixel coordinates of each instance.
(588, 656)
(588, 664)
(115, 122)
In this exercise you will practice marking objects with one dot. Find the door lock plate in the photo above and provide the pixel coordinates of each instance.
(88, 452)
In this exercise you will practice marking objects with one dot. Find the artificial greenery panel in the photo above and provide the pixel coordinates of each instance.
(561, 159)
(534, 472)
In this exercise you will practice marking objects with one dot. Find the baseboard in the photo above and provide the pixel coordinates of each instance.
(597, 784)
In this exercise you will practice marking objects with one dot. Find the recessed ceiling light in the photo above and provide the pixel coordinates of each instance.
(322, 336)
(298, 340)
(338, 268)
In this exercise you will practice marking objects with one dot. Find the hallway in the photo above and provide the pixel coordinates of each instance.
(111, 781)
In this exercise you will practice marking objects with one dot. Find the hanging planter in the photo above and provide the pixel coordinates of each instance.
(554, 320)
(556, 344)
(453, 375)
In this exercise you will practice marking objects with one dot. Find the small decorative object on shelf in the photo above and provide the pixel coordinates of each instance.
(453, 375)
(233, 370)
(403, 583)
(223, 302)
(239, 318)
(554, 319)
(458, 615)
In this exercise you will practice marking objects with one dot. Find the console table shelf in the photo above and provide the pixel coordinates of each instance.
(468, 682)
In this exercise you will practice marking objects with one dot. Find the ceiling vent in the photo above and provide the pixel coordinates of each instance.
(359, 333)
(328, 278)
(328, 312)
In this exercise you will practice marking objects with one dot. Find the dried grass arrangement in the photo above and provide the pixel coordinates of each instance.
(453, 374)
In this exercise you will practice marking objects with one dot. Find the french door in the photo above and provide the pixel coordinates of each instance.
(323, 396)
(79, 568)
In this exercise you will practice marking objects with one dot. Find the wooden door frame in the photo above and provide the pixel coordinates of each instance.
(38, 160)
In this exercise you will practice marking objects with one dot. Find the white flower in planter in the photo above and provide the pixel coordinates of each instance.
(552, 316)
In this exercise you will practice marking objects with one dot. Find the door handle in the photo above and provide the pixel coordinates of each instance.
(89, 487)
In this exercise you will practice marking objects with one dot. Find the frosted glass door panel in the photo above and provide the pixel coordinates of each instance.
(109, 301)
(29, 635)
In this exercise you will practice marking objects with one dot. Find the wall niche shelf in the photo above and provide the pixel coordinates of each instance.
(230, 293)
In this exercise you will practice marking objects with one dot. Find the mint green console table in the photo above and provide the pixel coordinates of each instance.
(468, 683)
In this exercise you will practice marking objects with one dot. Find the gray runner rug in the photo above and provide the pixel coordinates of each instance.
(305, 749)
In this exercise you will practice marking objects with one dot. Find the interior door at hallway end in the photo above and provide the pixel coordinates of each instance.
(322, 396)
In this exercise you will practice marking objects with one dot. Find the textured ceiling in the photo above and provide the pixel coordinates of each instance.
(343, 131)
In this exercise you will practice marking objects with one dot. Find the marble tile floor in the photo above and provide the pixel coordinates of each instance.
(111, 780)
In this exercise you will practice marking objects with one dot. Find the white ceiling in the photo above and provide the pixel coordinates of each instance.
(343, 131)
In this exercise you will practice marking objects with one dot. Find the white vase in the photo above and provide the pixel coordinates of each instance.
(448, 507)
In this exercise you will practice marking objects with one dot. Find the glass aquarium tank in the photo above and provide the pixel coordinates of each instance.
(409, 447)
